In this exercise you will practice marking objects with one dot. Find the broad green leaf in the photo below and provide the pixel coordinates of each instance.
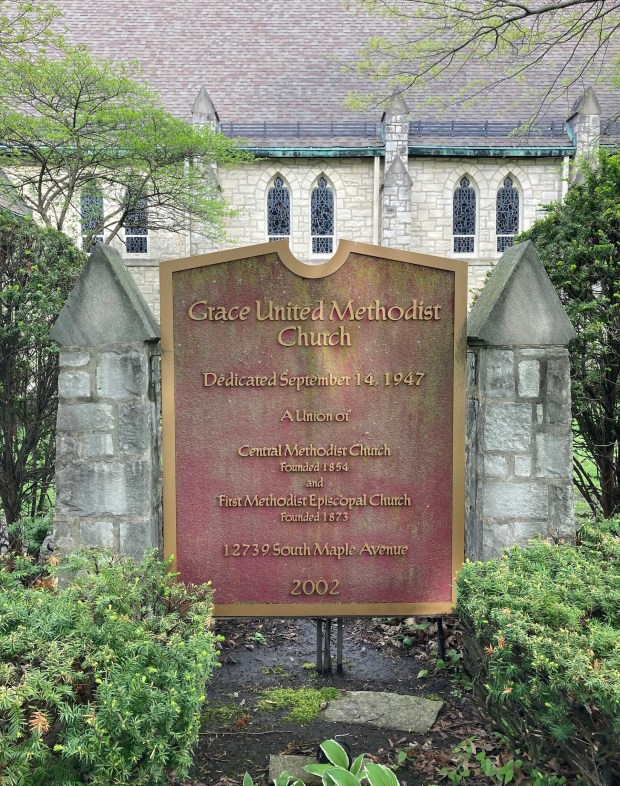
(378, 775)
(283, 779)
(335, 753)
(342, 777)
(247, 780)
(357, 764)
(317, 769)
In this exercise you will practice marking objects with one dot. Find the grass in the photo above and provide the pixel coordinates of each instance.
(304, 704)
(221, 714)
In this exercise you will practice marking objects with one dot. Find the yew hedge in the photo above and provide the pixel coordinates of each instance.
(101, 681)
(542, 641)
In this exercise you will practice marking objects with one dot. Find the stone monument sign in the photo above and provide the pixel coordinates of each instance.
(314, 429)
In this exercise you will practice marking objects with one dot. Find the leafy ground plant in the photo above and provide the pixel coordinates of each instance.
(339, 771)
(470, 759)
(102, 681)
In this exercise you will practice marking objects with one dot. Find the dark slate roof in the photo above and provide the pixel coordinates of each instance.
(289, 62)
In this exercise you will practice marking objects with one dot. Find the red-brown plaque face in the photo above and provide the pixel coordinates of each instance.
(310, 426)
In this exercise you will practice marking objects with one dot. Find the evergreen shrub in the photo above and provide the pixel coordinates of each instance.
(101, 681)
(542, 641)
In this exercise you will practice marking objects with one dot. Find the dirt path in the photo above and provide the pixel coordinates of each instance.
(400, 657)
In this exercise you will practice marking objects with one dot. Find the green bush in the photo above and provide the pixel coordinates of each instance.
(578, 241)
(38, 269)
(28, 534)
(101, 682)
(542, 641)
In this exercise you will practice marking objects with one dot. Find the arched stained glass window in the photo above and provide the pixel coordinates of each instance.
(322, 218)
(278, 211)
(464, 217)
(507, 215)
(136, 225)
(91, 216)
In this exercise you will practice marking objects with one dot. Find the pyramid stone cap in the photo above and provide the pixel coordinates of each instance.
(105, 306)
(397, 106)
(203, 109)
(519, 305)
(398, 174)
(587, 104)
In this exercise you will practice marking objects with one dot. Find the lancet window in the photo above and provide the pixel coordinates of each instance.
(278, 211)
(507, 215)
(322, 218)
(464, 217)
(91, 216)
(136, 225)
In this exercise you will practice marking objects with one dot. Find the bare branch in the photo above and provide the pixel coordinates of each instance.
(444, 45)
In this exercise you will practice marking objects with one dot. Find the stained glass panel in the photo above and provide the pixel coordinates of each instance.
(278, 211)
(91, 217)
(136, 226)
(464, 217)
(322, 218)
(507, 215)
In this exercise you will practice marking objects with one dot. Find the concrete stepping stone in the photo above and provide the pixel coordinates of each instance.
(413, 714)
(294, 765)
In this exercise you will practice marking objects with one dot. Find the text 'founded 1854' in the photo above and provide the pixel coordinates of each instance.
(313, 429)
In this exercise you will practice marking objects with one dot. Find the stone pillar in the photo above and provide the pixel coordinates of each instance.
(204, 114)
(396, 198)
(519, 438)
(584, 126)
(108, 476)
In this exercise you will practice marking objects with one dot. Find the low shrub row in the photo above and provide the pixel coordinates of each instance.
(101, 681)
(542, 641)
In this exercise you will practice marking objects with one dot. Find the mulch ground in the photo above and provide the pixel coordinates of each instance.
(399, 656)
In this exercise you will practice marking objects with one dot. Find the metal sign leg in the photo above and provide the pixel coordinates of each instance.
(339, 638)
(323, 645)
(319, 646)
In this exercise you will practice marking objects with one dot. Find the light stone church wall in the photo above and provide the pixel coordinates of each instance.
(539, 181)
(350, 178)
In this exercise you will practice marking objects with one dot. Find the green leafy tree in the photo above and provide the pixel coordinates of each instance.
(89, 150)
(72, 126)
(470, 47)
(25, 26)
(579, 243)
(38, 268)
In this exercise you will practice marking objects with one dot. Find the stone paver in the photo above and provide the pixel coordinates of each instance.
(294, 765)
(413, 714)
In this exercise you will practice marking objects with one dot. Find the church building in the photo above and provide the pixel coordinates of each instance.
(461, 182)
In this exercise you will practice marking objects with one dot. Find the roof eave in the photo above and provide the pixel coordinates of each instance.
(458, 151)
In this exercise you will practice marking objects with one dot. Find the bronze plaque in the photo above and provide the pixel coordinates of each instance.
(314, 429)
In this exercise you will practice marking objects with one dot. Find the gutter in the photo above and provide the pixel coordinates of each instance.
(315, 152)
(415, 151)
(490, 152)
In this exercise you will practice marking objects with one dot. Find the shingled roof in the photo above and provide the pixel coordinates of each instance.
(290, 62)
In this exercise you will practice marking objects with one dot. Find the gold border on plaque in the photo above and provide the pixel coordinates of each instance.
(345, 248)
